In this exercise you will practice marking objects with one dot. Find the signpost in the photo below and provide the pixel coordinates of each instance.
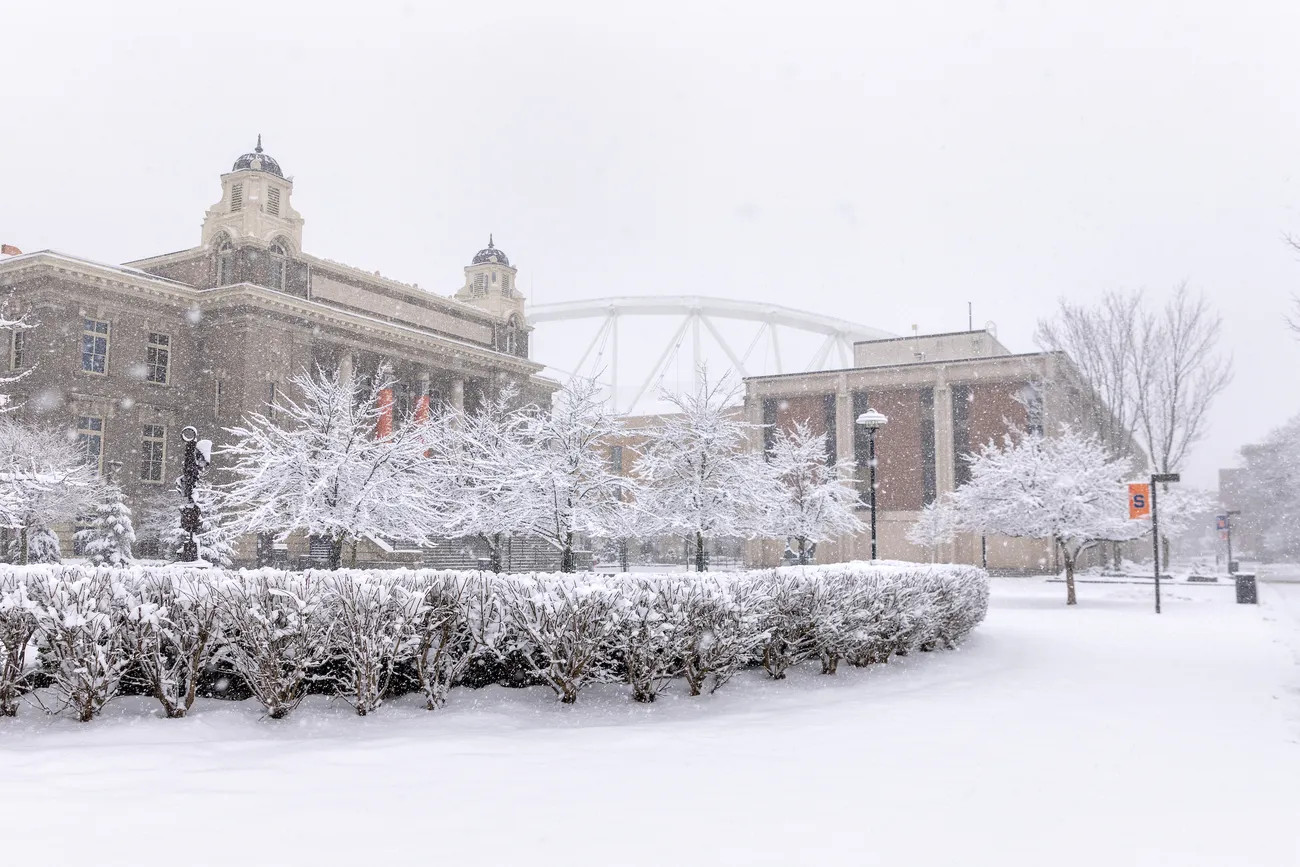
(1224, 523)
(1156, 479)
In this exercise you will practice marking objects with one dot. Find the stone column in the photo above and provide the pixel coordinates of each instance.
(458, 395)
(346, 368)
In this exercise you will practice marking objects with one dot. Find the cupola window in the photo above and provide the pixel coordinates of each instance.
(236, 197)
(273, 201)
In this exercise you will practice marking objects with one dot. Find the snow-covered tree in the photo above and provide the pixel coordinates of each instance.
(478, 458)
(815, 500)
(1269, 494)
(1063, 488)
(12, 328)
(320, 465)
(45, 481)
(934, 527)
(109, 533)
(699, 476)
(565, 485)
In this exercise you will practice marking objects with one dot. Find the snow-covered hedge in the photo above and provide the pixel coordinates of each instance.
(86, 634)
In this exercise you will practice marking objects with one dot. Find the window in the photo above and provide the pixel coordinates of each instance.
(929, 479)
(153, 452)
(480, 284)
(494, 276)
(17, 345)
(94, 346)
(962, 395)
(236, 197)
(216, 397)
(279, 264)
(90, 437)
(505, 285)
(225, 249)
(273, 201)
(158, 358)
(270, 402)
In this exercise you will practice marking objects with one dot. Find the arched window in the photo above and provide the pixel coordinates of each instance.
(225, 255)
(279, 263)
(513, 336)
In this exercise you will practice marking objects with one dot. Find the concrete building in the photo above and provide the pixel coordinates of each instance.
(124, 356)
(945, 395)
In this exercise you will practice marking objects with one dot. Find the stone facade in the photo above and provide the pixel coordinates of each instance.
(126, 356)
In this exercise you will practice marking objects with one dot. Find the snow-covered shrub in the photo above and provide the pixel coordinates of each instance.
(79, 612)
(172, 623)
(43, 546)
(282, 631)
(17, 627)
(369, 631)
(563, 626)
(723, 628)
(836, 613)
(791, 619)
(651, 620)
(961, 598)
(277, 631)
(451, 617)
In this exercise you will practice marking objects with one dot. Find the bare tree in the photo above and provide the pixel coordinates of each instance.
(1105, 345)
(1186, 375)
(1148, 377)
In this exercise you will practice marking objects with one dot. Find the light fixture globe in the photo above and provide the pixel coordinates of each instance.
(872, 419)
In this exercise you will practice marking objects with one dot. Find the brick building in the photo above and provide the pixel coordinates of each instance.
(945, 395)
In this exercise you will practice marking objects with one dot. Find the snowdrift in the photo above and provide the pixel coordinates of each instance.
(73, 637)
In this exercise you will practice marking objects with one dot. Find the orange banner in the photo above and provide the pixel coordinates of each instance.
(385, 427)
(422, 408)
(1139, 501)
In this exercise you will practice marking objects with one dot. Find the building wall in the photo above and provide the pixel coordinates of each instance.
(938, 412)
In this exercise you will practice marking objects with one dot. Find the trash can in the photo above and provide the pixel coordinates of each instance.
(1247, 593)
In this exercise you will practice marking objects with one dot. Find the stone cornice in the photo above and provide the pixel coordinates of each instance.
(135, 284)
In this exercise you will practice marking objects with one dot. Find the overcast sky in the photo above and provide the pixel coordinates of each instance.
(885, 165)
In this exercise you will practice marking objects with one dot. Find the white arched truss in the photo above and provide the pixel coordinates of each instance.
(700, 316)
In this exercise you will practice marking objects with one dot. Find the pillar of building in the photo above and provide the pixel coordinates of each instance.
(458, 395)
(945, 473)
(346, 366)
(844, 420)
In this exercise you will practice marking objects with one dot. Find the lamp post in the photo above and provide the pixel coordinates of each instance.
(872, 420)
(1227, 527)
(198, 454)
(1158, 479)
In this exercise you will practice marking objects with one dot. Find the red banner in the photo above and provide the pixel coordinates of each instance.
(385, 402)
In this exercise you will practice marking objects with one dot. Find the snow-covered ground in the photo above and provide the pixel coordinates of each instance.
(1100, 735)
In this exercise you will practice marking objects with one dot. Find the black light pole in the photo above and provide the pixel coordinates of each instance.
(1158, 479)
(872, 421)
(1227, 526)
(195, 462)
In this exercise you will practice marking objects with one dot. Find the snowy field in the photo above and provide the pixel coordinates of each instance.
(1101, 735)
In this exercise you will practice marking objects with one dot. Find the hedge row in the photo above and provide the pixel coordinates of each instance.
(90, 634)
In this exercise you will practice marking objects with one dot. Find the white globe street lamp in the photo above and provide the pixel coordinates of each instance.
(872, 420)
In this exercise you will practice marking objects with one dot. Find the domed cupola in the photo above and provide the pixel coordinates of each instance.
(258, 161)
(490, 283)
(490, 254)
(255, 203)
